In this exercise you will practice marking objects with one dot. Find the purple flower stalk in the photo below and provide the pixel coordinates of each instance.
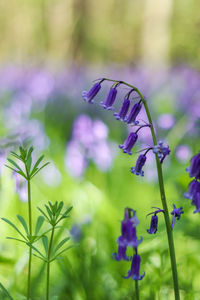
(89, 96)
(194, 168)
(107, 104)
(137, 170)
(154, 225)
(121, 115)
(176, 212)
(134, 272)
(129, 143)
(131, 118)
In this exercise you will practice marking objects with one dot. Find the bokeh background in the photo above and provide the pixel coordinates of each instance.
(50, 51)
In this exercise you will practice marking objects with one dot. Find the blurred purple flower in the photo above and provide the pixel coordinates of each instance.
(166, 121)
(193, 190)
(194, 168)
(183, 153)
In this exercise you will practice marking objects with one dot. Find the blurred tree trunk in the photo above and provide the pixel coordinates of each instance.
(79, 34)
(156, 32)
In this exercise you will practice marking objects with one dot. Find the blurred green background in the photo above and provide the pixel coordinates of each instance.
(50, 51)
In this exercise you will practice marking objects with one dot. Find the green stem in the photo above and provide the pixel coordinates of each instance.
(30, 232)
(137, 297)
(163, 197)
(48, 262)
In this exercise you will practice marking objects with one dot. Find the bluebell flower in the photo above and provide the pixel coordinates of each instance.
(193, 189)
(121, 255)
(131, 118)
(107, 104)
(194, 168)
(76, 232)
(121, 115)
(161, 150)
(176, 212)
(134, 272)
(129, 143)
(154, 225)
(196, 202)
(89, 96)
(137, 170)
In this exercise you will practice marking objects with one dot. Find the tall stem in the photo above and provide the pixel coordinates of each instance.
(162, 196)
(30, 232)
(48, 262)
(137, 296)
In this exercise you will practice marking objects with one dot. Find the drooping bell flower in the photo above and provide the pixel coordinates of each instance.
(196, 202)
(176, 212)
(137, 170)
(121, 255)
(194, 168)
(110, 99)
(154, 225)
(161, 150)
(129, 143)
(131, 118)
(89, 96)
(134, 272)
(193, 189)
(121, 115)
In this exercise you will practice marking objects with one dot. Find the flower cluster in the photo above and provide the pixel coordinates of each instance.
(129, 238)
(193, 192)
(176, 212)
(128, 115)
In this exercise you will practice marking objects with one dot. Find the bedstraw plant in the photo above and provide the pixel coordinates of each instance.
(53, 215)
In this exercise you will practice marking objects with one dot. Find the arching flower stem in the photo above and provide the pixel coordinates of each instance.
(162, 193)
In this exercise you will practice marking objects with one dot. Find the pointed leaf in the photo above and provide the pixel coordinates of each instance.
(39, 224)
(43, 213)
(37, 164)
(34, 248)
(11, 238)
(40, 169)
(16, 165)
(23, 222)
(45, 244)
(11, 224)
(60, 206)
(5, 292)
(44, 259)
(15, 155)
(61, 252)
(29, 152)
(49, 212)
(11, 168)
(28, 163)
(61, 244)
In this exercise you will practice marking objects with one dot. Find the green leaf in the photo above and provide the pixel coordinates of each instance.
(28, 163)
(29, 152)
(61, 244)
(23, 222)
(45, 244)
(43, 213)
(40, 169)
(60, 206)
(15, 155)
(11, 224)
(11, 238)
(67, 211)
(34, 248)
(61, 253)
(37, 164)
(49, 212)
(5, 292)
(44, 259)
(39, 224)
(11, 168)
(16, 165)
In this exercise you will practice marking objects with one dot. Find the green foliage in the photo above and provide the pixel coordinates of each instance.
(26, 158)
(4, 293)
